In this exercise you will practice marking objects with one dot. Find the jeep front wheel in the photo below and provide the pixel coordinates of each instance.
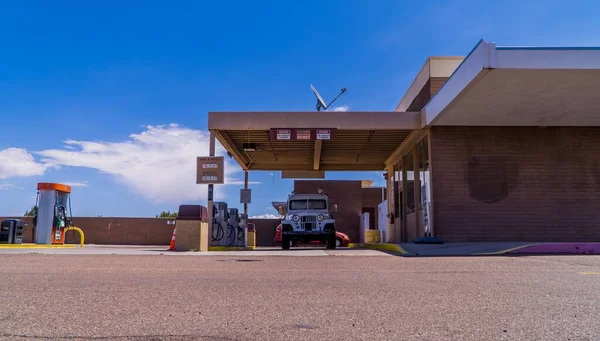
(285, 243)
(331, 241)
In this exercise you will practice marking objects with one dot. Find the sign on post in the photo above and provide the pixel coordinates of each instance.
(210, 170)
(245, 196)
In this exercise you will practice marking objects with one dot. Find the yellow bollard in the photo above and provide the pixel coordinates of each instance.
(251, 236)
(73, 228)
(372, 236)
(251, 240)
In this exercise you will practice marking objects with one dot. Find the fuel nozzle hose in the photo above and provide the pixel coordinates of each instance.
(236, 233)
(220, 232)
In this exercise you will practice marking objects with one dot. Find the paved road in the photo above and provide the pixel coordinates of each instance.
(120, 297)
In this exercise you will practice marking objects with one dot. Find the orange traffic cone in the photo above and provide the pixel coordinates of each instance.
(172, 246)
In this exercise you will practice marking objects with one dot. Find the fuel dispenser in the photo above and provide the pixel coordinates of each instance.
(234, 217)
(219, 224)
(53, 217)
(227, 229)
(236, 235)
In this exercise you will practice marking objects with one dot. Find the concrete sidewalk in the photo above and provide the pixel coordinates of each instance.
(461, 249)
(484, 248)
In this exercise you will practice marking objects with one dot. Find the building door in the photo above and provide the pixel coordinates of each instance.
(372, 217)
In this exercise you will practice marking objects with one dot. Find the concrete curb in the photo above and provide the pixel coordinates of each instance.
(381, 247)
(559, 248)
(37, 246)
(501, 252)
(231, 248)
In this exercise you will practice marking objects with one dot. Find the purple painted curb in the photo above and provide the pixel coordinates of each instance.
(572, 248)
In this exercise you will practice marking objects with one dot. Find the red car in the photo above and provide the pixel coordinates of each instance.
(341, 239)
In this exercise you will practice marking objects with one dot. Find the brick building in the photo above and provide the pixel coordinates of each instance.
(501, 145)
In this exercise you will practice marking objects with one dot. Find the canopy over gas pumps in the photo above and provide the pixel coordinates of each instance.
(312, 142)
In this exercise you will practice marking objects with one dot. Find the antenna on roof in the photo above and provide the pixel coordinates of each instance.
(321, 102)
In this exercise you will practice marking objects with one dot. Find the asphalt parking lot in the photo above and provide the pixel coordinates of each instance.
(129, 297)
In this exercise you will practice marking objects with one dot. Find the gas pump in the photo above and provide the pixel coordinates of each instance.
(234, 217)
(232, 225)
(227, 229)
(220, 219)
(53, 217)
(61, 222)
(236, 233)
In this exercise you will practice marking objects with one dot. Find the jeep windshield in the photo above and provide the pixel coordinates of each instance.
(310, 204)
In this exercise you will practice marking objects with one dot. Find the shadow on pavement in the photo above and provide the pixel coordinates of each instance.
(261, 249)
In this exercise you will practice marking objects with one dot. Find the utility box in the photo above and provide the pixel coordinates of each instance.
(11, 231)
(192, 212)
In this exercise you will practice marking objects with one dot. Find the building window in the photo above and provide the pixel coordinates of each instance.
(392, 193)
(423, 149)
(397, 191)
(410, 183)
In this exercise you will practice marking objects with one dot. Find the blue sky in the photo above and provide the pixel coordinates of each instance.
(113, 97)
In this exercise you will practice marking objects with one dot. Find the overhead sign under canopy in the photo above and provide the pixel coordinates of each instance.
(302, 134)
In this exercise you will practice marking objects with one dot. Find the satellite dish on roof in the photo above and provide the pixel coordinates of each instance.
(321, 102)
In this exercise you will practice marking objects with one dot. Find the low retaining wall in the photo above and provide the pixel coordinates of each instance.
(138, 231)
(114, 230)
(265, 231)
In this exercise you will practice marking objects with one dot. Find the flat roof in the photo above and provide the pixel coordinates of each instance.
(341, 120)
(434, 67)
(520, 86)
(362, 141)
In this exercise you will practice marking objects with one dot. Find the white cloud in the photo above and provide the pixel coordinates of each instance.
(379, 180)
(341, 108)
(17, 162)
(240, 182)
(265, 216)
(159, 163)
(5, 185)
(76, 183)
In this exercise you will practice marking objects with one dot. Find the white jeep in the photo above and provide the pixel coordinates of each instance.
(307, 219)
